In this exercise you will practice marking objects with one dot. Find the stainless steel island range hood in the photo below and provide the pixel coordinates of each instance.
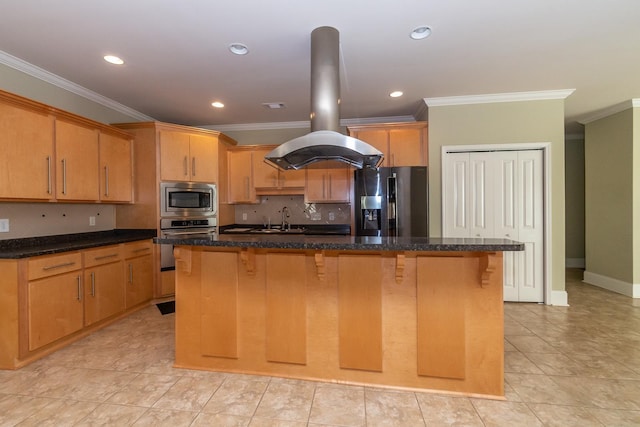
(325, 142)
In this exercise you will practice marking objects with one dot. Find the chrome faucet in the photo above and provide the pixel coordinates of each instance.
(285, 215)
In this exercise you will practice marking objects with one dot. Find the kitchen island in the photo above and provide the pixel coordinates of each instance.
(419, 313)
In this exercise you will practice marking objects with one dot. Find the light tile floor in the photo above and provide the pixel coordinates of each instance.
(565, 366)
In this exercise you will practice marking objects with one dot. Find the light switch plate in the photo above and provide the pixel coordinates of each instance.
(4, 225)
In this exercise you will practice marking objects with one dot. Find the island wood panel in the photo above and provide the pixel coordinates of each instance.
(483, 311)
(219, 305)
(360, 311)
(286, 312)
(441, 310)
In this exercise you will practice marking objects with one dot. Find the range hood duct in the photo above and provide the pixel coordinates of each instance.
(325, 142)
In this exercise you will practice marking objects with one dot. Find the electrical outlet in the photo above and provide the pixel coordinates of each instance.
(4, 225)
(92, 220)
(332, 216)
(244, 216)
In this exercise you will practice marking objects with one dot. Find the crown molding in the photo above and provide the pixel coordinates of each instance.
(304, 124)
(46, 76)
(614, 109)
(499, 97)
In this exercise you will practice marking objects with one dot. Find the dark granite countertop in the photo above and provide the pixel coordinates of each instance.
(309, 229)
(46, 245)
(347, 243)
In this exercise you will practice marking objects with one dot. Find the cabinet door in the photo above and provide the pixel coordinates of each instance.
(103, 292)
(54, 308)
(330, 183)
(264, 174)
(378, 138)
(407, 147)
(203, 163)
(77, 162)
(139, 280)
(174, 156)
(115, 169)
(26, 154)
(241, 188)
(292, 178)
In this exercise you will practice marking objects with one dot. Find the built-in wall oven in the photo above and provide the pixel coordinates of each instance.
(186, 209)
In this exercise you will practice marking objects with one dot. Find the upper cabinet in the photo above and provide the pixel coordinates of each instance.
(26, 153)
(49, 154)
(116, 168)
(403, 144)
(268, 179)
(241, 187)
(186, 157)
(328, 182)
(77, 176)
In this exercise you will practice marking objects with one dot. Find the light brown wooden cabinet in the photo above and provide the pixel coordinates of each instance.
(139, 272)
(51, 155)
(103, 283)
(241, 187)
(328, 182)
(267, 179)
(50, 301)
(403, 144)
(26, 153)
(54, 306)
(185, 157)
(116, 168)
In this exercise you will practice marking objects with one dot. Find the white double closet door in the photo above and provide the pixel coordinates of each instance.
(499, 194)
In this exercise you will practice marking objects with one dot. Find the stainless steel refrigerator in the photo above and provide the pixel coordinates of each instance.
(392, 201)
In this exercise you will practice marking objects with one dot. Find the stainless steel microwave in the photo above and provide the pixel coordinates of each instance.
(187, 199)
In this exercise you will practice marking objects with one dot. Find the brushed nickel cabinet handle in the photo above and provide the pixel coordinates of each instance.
(106, 181)
(93, 284)
(64, 264)
(48, 174)
(79, 288)
(193, 166)
(98, 258)
(141, 250)
(131, 274)
(64, 176)
(185, 165)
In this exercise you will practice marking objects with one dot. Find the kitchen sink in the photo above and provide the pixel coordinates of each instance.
(295, 230)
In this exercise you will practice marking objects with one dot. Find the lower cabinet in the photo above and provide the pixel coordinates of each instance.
(103, 284)
(48, 301)
(139, 278)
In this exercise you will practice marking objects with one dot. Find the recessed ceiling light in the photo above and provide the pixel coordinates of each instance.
(113, 60)
(396, 93)
(217, 104)
(420, 33)
(238, 48)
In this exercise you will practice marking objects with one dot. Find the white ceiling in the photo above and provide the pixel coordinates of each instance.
(177, 58)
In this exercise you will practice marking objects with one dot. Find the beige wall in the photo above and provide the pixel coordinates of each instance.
(14, 81)
(609, 179)
(503, 123)
(574, 212)
(264, 137)
(636, 196)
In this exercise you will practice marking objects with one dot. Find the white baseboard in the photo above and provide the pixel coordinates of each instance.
(575, 263)
(559, 298)
(625, 288)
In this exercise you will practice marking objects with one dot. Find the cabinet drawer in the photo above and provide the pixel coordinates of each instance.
(134, 249)
(102, 255)
(51, 265)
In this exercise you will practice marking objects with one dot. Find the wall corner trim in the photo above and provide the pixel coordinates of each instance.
(498, 97)
(559, 298)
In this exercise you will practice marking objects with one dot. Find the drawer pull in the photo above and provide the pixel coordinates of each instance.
(98, 258)
(93, 284)
(64, 264)
(131, 274)
(141, 249)
(79, 289)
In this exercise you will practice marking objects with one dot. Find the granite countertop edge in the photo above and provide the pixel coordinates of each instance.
(348, 243)
(48, 245)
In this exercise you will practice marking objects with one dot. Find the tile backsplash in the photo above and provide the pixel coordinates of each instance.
(270, 208)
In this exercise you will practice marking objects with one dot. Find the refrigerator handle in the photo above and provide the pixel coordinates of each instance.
(392, 206)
